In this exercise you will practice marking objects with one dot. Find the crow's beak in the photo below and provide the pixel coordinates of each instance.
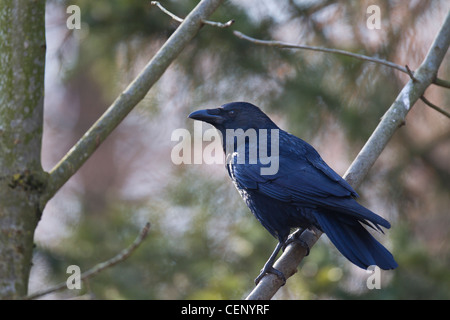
(211, 116)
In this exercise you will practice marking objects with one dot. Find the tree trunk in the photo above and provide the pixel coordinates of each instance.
(22, 64)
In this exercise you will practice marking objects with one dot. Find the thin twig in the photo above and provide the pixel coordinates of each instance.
(435, 107)
(442, 83)
(285, 45)
(170, 14)
(124, 254)
(410, 73)
(219, 24)
(180, 20)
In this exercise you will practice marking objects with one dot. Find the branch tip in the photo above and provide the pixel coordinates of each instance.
(410, 73)
(180, 20)
(219, 24)
(170, 14)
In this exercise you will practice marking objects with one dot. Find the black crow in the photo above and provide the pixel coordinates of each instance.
(287, 185)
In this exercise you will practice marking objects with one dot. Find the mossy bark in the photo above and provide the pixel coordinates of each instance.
(22, 64)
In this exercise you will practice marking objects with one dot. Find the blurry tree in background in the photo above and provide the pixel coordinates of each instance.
(204, 243)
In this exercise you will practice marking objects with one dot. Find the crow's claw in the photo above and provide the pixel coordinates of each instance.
(270, 269)
(295, 237)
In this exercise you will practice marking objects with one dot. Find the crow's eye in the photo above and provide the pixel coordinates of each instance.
(232, 113)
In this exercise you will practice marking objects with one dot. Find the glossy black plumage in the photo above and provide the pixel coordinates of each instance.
(304, 191)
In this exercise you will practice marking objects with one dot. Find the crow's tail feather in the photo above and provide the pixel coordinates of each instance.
(354, 241)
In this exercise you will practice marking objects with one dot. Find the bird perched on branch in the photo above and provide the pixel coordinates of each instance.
(287, 185)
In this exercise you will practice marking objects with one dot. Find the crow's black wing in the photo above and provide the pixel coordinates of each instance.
(313, 157)
(303, 179)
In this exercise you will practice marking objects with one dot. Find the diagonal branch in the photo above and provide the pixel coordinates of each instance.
(124, 254)
(435, 107)
(393, 119)
(286, 45)
(128, 99)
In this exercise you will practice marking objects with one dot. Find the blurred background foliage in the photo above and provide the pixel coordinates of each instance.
(204, 243)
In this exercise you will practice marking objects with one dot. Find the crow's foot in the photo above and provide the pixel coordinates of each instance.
(295, 237)
(270, 269)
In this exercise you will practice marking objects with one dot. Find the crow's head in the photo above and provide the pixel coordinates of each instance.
(235, 115)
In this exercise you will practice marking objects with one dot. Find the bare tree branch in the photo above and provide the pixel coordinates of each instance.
(180, 20)
(285, 45)
(442, 83)
(127, 100)
(123, 255)
(435, 107)
(170, 14)
(391, 121)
